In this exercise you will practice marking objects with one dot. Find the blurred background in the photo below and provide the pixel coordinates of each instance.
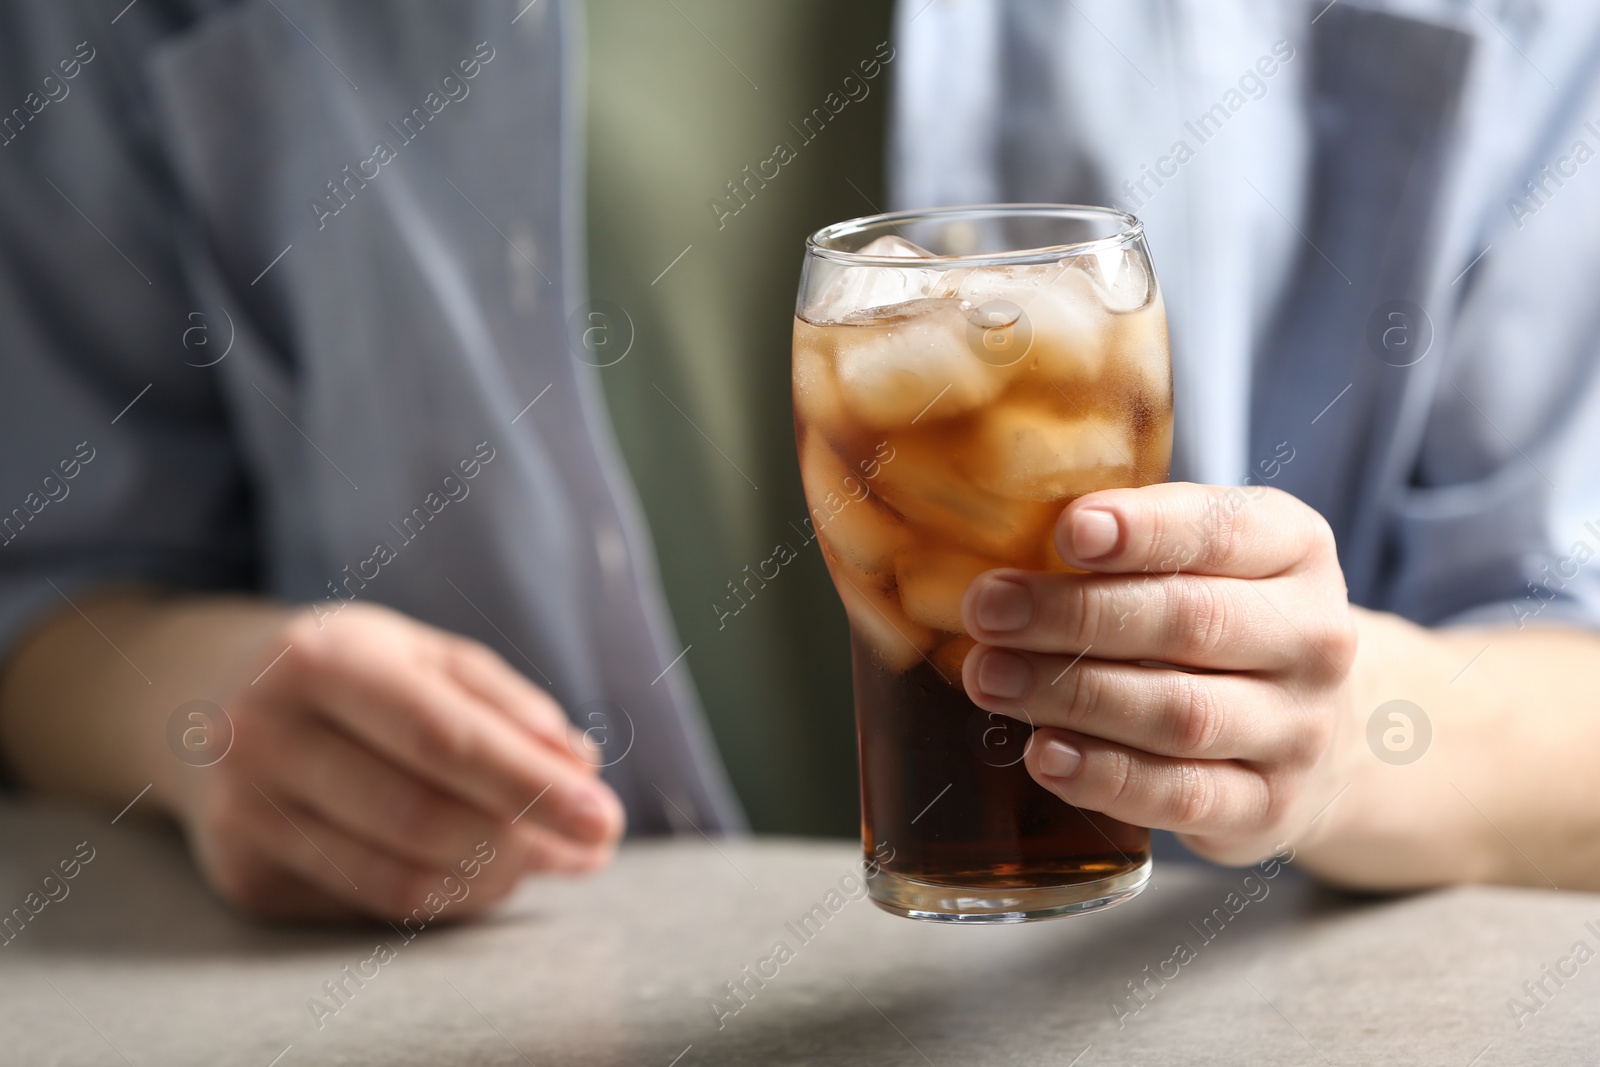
(701, 401)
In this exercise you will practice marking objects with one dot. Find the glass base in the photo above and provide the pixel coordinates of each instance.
(989, 906)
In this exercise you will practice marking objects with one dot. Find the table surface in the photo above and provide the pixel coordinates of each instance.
(139, 964)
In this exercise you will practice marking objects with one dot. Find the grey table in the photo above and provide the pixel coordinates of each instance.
(139, 964)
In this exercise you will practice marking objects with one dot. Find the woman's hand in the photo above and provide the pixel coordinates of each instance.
(1236, 752)
(379, 756)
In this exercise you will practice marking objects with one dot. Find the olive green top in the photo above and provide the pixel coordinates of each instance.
(721, 133)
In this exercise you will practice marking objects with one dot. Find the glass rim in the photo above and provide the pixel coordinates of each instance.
(1132, 229)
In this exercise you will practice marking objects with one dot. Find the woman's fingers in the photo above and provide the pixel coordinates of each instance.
(495, 682)
(1191, 620)
(366, 796)
(266, 890)
(283, 862)
(432, 727)
(1213, 797)
(297, 840)
(1224, 531)
(547, 852)
(379, 766)
(359, 875)
(1162, 711)
(1240, 586)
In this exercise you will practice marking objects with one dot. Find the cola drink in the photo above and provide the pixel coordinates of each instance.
(947, 407)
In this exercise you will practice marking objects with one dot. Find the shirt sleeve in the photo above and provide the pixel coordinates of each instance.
(117, 464)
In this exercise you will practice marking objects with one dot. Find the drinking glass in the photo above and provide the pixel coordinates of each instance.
(960, 375)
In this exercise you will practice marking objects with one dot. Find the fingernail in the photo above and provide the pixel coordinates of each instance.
(1004, 674)
(1004, 606)
(582, 746)
(1058, 759)
(1094, 533)
(589, 815)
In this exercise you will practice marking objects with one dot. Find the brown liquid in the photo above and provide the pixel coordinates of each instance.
(945, 793)
(923, 470)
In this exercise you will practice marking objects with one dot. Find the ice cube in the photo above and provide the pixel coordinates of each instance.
(892, 244)
(816, 390)
(1060, 319)
(1139, 343)
(854, 292)
(876, 617)
(858, 529)
(822, 470)
(925, 483)
(932, 583)
(949, 657)
(976, 285)
(1070, 328)
(1121, 277)
(920, 363)
(1031, 453)
(864, 533)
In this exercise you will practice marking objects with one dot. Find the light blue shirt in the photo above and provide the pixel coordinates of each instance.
(1377, 228)
(287, 304)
